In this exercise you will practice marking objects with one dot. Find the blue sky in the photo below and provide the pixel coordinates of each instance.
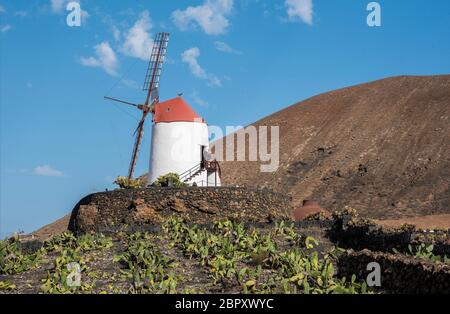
(235, 61)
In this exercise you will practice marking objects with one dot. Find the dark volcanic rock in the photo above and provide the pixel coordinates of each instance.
(399, 273)
(142, 211)
(87, 215)
(115, 210)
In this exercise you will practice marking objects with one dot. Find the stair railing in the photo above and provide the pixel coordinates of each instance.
(185, 176)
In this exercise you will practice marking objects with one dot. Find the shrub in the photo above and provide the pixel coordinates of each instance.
(316, 216)
(171, 177)
(346, 212)
(57, 280)
(425, 252)
(7, 285)
(236, 255)
(86, 242)
(125, 183)
(408, 227)
(148, 268)
(13, 261)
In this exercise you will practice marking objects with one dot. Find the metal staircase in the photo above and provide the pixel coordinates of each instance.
(191, 173)
(210, 166)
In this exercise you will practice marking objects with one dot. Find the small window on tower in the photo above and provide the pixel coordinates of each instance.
(167, 109)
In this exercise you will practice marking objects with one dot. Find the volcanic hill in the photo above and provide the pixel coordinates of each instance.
(382, 147)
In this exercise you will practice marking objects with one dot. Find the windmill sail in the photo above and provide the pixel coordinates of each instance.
(154, 96)
(139, 134)
(154, 69)
(151, 84)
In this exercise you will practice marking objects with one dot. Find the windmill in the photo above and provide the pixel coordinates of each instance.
(151, 85)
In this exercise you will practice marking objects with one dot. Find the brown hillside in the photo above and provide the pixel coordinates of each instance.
(57, 227)
(381, 147)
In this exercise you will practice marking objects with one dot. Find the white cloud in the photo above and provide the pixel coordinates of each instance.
(58, 6)
(21, 13)
(137, 41)
(190, 57)
(131, 84)
(198, 100)
(105, 58)
(211, 16)
(47, 171)
(84, 16)
(223, 47)
(128, 12)
(5, 28)
(116, 32)
(113, 25)
(300, 9)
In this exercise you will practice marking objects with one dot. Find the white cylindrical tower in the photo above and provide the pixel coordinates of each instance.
(179, 138)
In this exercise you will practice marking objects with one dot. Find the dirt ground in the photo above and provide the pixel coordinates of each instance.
(423, 222)
(106, 275)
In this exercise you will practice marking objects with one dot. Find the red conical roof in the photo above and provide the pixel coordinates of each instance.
(175, 110)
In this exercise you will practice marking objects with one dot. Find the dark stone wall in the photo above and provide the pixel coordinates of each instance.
(113, 210)
(399, 273)
(349, 232)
